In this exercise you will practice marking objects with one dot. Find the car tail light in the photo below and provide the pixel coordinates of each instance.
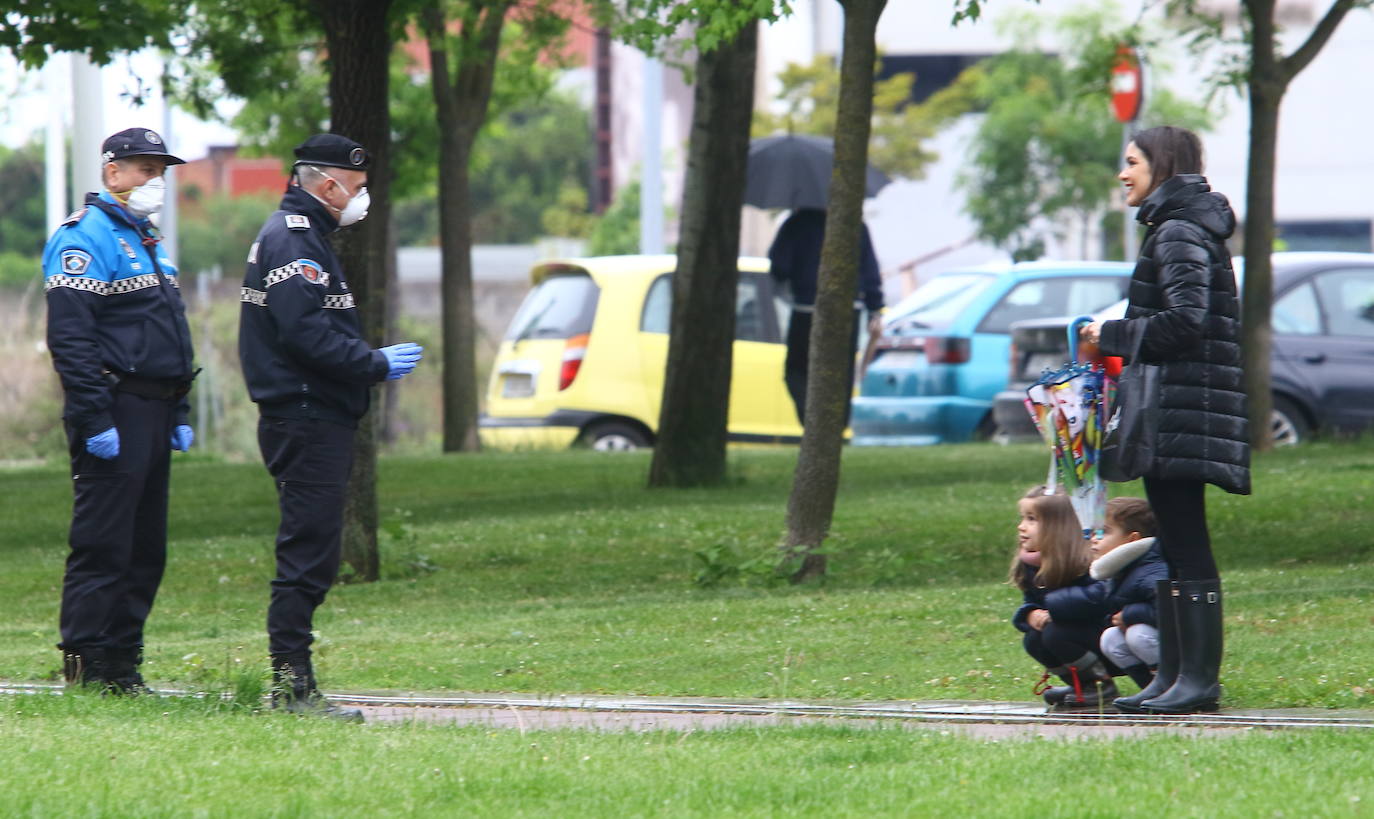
(572, 360)
(946, 349)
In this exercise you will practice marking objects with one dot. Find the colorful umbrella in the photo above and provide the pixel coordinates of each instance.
(1070, 406)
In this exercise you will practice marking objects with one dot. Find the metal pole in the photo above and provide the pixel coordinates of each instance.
(651, 177)
(55, 147)
(168, 222)
(1128, 231)
(88, 127)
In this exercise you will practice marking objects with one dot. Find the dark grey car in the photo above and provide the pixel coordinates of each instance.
(1322, 365)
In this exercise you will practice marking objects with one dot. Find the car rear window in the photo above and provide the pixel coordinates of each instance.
(1050, 297)
(558, 307)
(938, 302)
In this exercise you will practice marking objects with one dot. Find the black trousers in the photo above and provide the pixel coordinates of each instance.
(309, 460)
(1181, 520)
(118, 535)
(794, 371)
(1062, 643)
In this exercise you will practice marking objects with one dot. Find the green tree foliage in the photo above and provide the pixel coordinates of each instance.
(33, 30)
(810, 98)
(216, 231)
(1048, 148)
(655, 26)
(22, 212)
(617, 230)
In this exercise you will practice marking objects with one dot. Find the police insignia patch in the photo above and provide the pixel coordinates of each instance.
(310, 269)
(75, 262)
(296, 221)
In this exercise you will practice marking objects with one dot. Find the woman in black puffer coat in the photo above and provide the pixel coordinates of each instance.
(1184, 316)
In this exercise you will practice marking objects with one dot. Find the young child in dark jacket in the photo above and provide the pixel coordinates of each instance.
(1059, 616)
(1129, 562)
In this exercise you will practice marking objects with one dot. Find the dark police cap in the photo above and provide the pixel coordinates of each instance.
(334, 151)
(136, 142)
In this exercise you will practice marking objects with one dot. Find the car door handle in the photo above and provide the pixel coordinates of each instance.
(1314, 358)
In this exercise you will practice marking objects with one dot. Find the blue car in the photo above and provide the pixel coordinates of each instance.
(944, 350)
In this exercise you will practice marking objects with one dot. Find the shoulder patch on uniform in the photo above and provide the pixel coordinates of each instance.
(75, 262)
(296, 221)
(253, 253)
(75, 216)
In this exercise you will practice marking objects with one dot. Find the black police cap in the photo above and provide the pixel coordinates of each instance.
(136, 142)
(333, 151)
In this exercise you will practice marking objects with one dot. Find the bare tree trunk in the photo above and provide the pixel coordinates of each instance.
(461, 100)
(811, 505)
(359, 45)
(693, 421)
(1269, 79)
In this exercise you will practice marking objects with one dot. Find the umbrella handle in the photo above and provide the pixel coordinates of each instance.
(1074, 326)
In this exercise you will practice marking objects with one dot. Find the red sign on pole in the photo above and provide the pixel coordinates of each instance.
(1127, 84)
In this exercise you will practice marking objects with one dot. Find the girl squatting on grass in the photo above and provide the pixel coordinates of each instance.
(1061, 616)
(1183, 316)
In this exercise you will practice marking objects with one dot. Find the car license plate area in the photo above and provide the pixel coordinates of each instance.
(1037, 363)
(517, 385)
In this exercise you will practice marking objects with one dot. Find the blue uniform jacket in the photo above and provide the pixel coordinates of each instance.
(113, 309)
(300, 342)
(1075, 603)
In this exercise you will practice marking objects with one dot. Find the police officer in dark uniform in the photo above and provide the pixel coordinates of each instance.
(119, 341)
(311, 373)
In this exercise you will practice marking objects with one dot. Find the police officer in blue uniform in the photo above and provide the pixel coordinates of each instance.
(120, 343)
(311, 372)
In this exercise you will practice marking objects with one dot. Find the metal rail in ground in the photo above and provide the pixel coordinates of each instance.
(946, 711)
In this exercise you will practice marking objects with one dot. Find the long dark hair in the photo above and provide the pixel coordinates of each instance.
(1170, 151)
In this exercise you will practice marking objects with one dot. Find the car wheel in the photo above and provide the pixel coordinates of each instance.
(1287, 425)
(613, 436)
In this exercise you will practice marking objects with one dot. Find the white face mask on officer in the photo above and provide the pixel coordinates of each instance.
(356, 209)
(147, 199)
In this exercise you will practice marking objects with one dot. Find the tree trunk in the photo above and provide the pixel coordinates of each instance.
(692, 425)
(1256, 330)
(359, 45)
(811, 504)
(461, 101)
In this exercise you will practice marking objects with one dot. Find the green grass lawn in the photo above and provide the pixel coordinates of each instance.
(559, 573)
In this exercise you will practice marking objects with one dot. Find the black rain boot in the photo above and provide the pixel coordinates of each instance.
(1198, 610)
(83, 667)
(294, 691)
(121, 673)
(1093, 686)
(1054, 696)
(1141, 675)
(1166, 607)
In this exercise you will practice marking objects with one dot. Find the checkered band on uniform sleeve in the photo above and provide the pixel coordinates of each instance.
(248, 295)
(77, 283)
(300, 267)
(342, 301)
(133, 283)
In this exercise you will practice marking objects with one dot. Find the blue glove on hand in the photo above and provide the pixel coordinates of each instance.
(401, 358)
(182, 437)
(104, 445)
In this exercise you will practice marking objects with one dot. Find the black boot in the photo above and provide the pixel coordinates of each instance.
(1166, 605)
(1198, 612)
(294, 691)
(1054, 696)
(121, 671)
(1093, 686)
(83, 666)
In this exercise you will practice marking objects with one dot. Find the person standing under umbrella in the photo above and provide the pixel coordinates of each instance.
(795, 261)
(1183, 317)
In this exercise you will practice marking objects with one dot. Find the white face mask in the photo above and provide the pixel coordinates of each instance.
(146, 199)
(356, 209)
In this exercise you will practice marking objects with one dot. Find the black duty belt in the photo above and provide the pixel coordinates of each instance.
(157, 389)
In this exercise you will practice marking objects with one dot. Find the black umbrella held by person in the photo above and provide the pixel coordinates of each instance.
(794, 172)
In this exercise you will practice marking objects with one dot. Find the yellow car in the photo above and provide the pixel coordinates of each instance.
(583, 359)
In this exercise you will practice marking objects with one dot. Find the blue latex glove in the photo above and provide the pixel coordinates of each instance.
(104, 445)
(401, 358)
(182, 437)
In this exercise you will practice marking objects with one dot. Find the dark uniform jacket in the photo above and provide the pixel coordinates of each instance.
(1066, 604)
(300, 342)
(1184, 314)
(114, 311)
(1128, 574)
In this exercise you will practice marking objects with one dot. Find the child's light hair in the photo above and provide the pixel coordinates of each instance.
(1132, 515)
(1064, 553)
